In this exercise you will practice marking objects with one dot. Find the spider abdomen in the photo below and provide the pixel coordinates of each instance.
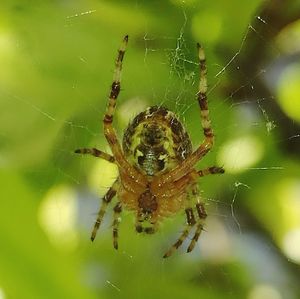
(155, 141)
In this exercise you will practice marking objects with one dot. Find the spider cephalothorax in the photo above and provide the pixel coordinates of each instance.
(156, 164)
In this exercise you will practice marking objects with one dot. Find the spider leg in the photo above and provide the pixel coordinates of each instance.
(105, 201)
(109, 131)
(190, 224)
(116, 86)
(211, 170)
(138, 222)
(96, 153)
(151, 229)
(208, 142)
(199, 226)
(116, 222)
(202, 98)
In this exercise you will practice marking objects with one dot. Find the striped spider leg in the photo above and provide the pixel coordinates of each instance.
(117, 157)
(184, 169)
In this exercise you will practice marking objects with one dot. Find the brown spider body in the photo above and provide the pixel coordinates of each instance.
(157, 175)
(154, 142)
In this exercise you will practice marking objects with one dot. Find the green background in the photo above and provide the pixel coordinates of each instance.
(56, 67)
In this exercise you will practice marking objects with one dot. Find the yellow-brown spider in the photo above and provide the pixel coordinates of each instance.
(157, 175)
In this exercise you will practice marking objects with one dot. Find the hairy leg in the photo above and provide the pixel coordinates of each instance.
(190, 224)
(96, 153)
(199, 225)
(210, 170)
(116, 222)
(105, 201)
(109, 131)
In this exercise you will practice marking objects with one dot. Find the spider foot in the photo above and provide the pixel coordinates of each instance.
(116, 245)
(215, 170)
(195, 238)
(178, 243)
(167, 254)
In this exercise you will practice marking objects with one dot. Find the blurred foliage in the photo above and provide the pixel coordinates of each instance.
(56, 69)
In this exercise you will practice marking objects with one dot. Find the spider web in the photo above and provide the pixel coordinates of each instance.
(237, 110)
(179, 94)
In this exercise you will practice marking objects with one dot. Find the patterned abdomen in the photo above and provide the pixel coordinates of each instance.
(156, 141)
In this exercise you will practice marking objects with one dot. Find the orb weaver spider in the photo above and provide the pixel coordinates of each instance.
(156, 164)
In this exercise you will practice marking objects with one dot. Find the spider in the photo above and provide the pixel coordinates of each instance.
(157, 176)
